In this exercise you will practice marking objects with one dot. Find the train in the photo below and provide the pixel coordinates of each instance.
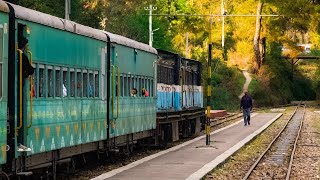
(79, 98)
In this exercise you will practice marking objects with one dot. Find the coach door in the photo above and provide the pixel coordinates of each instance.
(25, 92)
(115, 85)
(114, 90)
(3, 88)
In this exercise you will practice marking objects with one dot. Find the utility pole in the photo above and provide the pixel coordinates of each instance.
(150, 9)
(67, 9)
(222, 34)
(187, 44)
(208, 128)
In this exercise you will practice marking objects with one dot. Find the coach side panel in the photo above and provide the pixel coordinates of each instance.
(69, 106)
(137, 113)
(3, 84)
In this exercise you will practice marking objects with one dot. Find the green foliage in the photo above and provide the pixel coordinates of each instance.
(227, 85)
(274, 85)
(86, 12)
(317, 83)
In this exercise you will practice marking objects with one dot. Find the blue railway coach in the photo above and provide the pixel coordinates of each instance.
(180, 103)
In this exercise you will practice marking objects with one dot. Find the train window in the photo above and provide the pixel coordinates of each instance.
(129, 82)
(136, 82)
(125, 86)
(121, 85)
(72, 83)
(151, 88)
(168, 76)
(79, 83)
(58, 82)
(141, 85)
(136, 85)
(65, 84)
(41, 82)
(132, 83)
(159, 73)
(50, 81)
(85, 83)
(34, 80)
(96, 81)
(194, 78)
(103, 87)
(117, 85)
(90, 85)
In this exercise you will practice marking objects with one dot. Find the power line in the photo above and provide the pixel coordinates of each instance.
(218, 15)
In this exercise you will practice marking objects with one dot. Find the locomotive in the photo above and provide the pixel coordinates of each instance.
(80, 99)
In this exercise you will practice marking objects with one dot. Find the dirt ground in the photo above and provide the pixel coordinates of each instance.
(307, 157)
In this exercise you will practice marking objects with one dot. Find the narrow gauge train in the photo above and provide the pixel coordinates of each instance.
(79, 98)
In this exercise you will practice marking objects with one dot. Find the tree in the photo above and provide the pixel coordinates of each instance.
(256, 40)
(86, 12)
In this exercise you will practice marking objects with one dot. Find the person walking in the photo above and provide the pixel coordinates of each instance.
(246, 107)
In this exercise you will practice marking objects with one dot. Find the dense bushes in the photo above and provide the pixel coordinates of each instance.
(227, 83)
(275, 84)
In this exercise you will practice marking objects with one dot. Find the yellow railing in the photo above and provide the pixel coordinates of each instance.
(31, 88)
(20, 90)
(112, 89)
(118, 89)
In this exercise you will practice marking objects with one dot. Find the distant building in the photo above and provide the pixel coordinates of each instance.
(305, 48)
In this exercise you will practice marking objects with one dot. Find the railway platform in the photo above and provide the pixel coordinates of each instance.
(193, 159)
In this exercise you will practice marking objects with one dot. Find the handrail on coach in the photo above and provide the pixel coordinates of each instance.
(118, 89)
(20, 91)
(112, 89)
(31, 88)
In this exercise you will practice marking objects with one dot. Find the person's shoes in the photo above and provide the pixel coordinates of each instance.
(22, 148)
(249, 123)
(245, 125)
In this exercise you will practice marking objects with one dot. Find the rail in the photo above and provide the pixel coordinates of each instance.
(295, 146)
(248, 174)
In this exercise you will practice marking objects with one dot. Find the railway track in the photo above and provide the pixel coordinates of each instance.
(276, 161)
(221, 120)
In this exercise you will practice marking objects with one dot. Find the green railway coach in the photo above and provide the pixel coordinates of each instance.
(79, 95)
(4, 20)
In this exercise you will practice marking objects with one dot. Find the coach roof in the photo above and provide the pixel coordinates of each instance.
(129, 42)
(59, 23)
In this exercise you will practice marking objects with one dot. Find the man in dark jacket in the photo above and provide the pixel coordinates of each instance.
(27, 69)
(246, 106)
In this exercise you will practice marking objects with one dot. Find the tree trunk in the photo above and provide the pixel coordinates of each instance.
(263, 50)
(256, 40)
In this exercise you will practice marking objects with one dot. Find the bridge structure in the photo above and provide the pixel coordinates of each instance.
(293, 60)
